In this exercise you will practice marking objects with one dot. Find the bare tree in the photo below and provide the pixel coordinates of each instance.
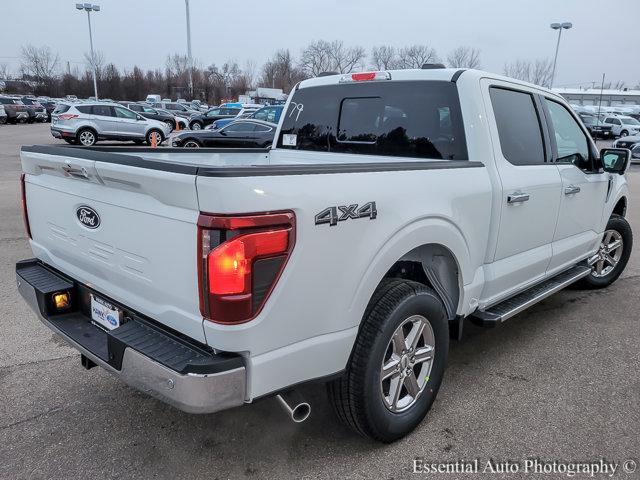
(537, 72)
(464, 57)
(40, 64)
(177, 65)
(384, 57)
(323, 56)
(415, 56)
(281, 72)
(4, 71)
(98, 61)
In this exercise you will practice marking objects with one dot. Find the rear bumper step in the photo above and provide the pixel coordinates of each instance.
(514, 305)
(143, 355)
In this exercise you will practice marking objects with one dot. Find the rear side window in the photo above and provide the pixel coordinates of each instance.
(102, 110)
(419, 119)
(518, 126)
(61, 108)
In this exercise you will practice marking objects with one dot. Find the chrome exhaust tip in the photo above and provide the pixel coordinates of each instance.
(293, 403)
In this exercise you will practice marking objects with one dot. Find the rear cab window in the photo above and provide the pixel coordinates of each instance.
(519, 126)
(416, 119)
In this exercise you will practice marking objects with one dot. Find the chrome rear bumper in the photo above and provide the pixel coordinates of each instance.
(189, 392)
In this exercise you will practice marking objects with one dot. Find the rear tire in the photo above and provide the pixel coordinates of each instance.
(610, 262)
(86, 137)
(361, 398)
(191, 144)
(624, 133)
(195, 126)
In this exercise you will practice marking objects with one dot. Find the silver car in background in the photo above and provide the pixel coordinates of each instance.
(86, 123)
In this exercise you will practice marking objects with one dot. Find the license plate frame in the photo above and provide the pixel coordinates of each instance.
(104, 313)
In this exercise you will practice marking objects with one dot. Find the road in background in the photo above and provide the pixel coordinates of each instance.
(558, 382)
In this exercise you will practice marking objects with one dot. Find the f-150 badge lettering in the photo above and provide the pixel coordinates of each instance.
(333, 215)
(88, 217)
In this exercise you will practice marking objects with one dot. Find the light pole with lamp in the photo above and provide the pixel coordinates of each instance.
(559, 27)
(91, 8)
(189, 49)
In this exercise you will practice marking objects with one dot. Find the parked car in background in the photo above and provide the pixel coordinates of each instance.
(182, 122)
(152, 113)
(635, 152)
(596, 128)
(269, 113)
(176, 109)
(15, 110)
(49, 105)
(243, 133)
(3, 115)
(629, 141)
(89, 122)
(37, 112)
(198, 122)
(622, 125)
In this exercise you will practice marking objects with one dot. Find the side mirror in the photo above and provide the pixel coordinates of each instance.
(139, 117)
(615, 160)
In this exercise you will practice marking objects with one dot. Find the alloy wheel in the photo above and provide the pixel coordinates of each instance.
(87, 138)
(608, 255)
(407, 363)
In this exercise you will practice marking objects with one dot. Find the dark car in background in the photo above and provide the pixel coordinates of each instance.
(150, 112)
(245, 133)
(176, 108)
(596, 128)
(37, 112)
(198, 122)
(270, 113)
(16, 111)
(630, 142)
(49, 106)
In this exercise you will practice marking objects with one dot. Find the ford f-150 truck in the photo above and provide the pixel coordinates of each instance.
(393, 207)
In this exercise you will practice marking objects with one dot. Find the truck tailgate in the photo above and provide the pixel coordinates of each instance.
(141, 253)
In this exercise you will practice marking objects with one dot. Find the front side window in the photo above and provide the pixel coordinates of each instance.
(571, 142)
(149, 110)
(518, 126)
(135, 108)
(213, 113)
(400, 119)
(125, 113)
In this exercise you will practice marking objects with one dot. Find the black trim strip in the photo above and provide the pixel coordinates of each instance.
(106, 157)
(244, 171)
(456, 75)
(320, 169)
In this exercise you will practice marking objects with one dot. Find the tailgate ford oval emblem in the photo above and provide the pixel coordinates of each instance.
(88, 217)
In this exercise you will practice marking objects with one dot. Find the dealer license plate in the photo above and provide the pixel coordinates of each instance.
(105, 314)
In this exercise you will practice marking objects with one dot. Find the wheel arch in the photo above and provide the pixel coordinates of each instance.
(621, 206)
(432, 251)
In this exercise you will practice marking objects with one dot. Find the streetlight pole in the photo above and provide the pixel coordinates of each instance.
(91, 8)
(186, 2)
(559, 27)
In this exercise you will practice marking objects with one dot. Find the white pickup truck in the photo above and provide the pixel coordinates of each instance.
(393, 206)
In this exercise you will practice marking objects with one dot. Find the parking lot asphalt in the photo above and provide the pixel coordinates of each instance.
(559, 382)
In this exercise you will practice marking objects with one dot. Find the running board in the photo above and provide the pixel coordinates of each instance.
(514, 305)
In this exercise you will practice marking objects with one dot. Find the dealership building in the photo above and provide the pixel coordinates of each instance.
(591, 96)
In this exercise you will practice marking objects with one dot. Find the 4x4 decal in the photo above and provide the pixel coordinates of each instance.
(333, 215)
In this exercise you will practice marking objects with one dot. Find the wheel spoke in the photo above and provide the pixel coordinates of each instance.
(415, 333)
(613, 246)
(394, 392)
(390, 368)
(411, 384)
(399, 342)
(610, 260)
(593, 260)
(607, 238)
(423, 354)
(599, 266)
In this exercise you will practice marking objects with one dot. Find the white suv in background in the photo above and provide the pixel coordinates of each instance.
(622, 125)
(87, 123)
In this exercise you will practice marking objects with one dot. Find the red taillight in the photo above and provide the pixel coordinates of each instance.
(241, 260)
(25, 214)
(67, 116)
(363, 77)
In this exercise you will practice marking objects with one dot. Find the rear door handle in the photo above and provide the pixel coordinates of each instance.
(571, 190)
(517, 197)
